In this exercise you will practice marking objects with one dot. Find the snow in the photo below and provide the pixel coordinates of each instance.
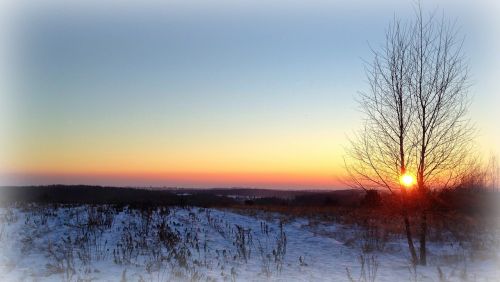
(52, 244)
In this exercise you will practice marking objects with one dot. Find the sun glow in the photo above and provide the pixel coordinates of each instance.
(407, 180)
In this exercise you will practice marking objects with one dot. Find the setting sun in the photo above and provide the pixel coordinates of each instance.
(407, 180)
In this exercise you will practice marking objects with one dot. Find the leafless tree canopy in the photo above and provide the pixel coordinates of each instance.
(415, 109)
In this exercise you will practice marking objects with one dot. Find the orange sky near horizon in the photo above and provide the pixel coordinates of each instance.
(305, 159)
(187, 180)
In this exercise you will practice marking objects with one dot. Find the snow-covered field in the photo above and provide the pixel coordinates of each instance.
(84, 243)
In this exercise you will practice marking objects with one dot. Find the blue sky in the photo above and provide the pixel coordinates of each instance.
(252, 86)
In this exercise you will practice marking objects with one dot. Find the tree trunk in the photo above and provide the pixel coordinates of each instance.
(423, 204)
(409, 236)
(423, 235)
(413, 253)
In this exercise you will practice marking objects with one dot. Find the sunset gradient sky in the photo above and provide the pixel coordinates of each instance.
(211, 94)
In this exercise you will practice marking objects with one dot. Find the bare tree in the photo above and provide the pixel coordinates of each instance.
(481, 175)
(493, 173)
(416, 116)
(382, 152)
(442, 133)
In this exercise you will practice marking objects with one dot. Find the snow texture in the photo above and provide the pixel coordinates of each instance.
(42, 243)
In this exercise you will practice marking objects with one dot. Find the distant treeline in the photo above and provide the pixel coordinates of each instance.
(82, 194)
(464, 199)
(474, 200)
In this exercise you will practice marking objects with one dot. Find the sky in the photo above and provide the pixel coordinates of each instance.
(206, 93)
